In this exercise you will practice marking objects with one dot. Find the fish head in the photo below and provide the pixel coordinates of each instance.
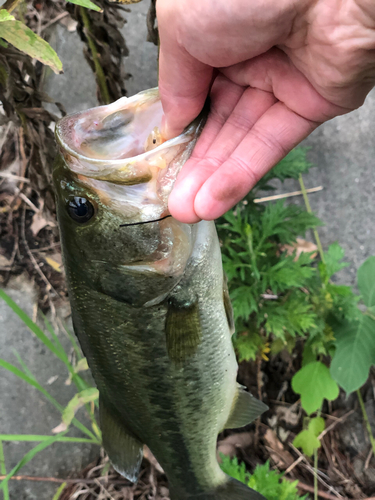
(112, 180)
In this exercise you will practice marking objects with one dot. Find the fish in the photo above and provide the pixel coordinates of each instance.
(149, 299)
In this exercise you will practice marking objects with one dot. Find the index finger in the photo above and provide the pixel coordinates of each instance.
(184, 81)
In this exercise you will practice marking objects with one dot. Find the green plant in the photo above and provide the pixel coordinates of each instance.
(24, 39)
(270, 483)
(86, 396)
(282, 295)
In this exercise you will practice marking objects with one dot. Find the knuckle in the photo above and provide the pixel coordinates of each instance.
(270, 142)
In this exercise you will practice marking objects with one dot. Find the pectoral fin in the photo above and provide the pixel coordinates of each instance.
(183, 331)
(125, 451)
(245, 410)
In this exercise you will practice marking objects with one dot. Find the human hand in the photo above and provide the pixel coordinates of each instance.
(279, 70)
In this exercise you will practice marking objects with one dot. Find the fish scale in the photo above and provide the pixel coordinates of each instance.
(149, 303)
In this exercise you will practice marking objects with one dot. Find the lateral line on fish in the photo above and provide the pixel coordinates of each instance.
(144, 222)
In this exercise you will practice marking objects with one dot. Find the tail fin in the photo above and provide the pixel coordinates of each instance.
(231, 490)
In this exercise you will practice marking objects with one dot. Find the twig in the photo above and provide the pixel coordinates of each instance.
(31, 256)
(294, 464)
(321, 494)
(287, 195)
(55, 20)
(337, 421)
(9, 175)
(29, 203)
(367, 422)
(312, 471)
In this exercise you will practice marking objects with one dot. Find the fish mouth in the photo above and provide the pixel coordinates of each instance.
(122, 142)
(119, 152)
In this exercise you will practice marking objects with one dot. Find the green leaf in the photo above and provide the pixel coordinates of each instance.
(5, 16)
(38, 438)
(355, 353)
(332, 263)
(24, 39)
(87, 4)
(60, 489)
(366, 281)
(307, 439)
(77, 402)
(314, 383)
(29, 456)
(3, 471)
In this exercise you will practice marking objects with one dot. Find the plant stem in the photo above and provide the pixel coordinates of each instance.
(315, 473)
(100, 76)
(10, 5)
(3, 471)
(367, 422)
(308, 208)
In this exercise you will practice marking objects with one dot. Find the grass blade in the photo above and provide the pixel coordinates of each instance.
(73, 341)
(38, 332)
(56, 496)
(33, 382)
(3, 471)
(29, 456)
(38, 438)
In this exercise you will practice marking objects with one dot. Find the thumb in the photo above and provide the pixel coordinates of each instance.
(184, 81)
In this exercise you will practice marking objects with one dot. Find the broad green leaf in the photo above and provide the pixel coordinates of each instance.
(29, 456)
(5, 16)
(308, 440)
(355, 353)
(24, 39)
(314, 383)
(77, 402)
(87, 4)
(366, 281)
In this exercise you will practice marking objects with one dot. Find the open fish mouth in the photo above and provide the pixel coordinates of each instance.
(118, 152)
(122, 143)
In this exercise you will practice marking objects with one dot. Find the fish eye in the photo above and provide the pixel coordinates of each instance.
(80, 209)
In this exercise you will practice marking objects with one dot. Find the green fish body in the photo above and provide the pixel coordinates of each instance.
(149, 301)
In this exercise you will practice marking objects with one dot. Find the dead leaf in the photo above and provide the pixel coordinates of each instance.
(300, 246)
(4, 262)
(69, 23)
(60, 428)
(232, 443)
(281, 457)
(150, 458)
(55, 262)
(39, 222)
(287, 415)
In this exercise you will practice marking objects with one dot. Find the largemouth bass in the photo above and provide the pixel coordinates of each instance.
(149, 301)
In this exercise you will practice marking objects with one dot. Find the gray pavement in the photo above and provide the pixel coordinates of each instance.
(343, 151)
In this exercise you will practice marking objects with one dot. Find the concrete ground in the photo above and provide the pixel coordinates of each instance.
(343, 152)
